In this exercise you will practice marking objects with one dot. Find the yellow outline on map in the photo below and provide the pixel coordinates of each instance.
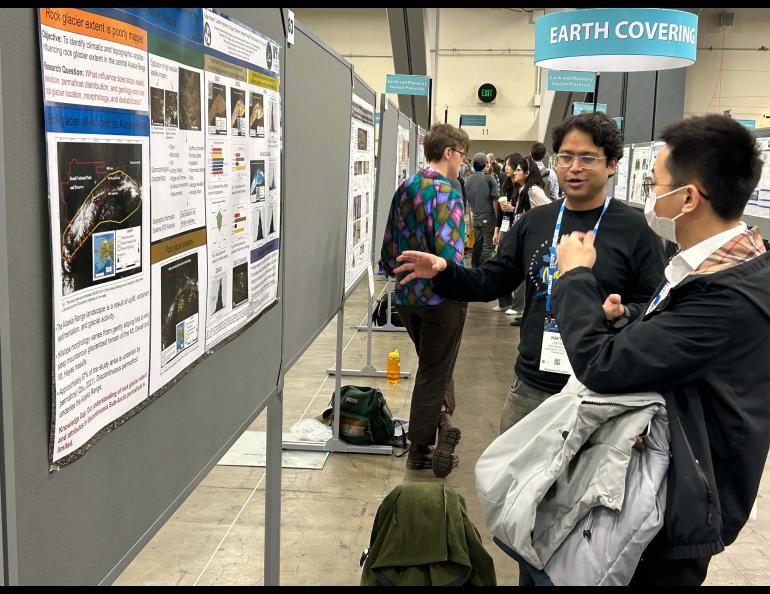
(91, 232)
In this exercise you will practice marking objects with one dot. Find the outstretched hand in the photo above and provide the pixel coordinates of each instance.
(419, 265)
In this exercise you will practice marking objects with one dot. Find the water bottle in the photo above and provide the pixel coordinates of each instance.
(393, 372)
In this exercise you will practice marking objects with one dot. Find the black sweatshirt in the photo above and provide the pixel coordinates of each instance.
(629, 262)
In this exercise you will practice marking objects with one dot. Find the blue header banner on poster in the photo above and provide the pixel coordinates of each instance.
(87, 120)
(569, 80)
(750, 124)
(618, 122)
(184, 22)
(473, 120)
(616, 39)
(578, 107)
(407, 84)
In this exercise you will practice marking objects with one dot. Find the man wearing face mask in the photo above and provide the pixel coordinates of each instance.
(701, 341)
(630, 260)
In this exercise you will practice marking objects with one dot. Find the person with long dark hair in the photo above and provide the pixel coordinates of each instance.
(527, 184)
(509, 192)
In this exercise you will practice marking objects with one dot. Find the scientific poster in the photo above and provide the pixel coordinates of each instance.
(98, 182)
(621, 184)
(641, 166)
(178, 213)
(421, 162)
(402, 155)
(360, 192)
(163, 136)
(759, 203)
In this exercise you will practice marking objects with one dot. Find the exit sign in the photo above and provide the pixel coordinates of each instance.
(487, 93)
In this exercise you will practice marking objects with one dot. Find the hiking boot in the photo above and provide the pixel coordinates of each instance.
(419, 457)
(444, 458)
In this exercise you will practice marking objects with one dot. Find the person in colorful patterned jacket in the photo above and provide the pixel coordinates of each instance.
(426, 214)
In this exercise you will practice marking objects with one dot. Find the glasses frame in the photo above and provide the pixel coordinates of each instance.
(585, 161)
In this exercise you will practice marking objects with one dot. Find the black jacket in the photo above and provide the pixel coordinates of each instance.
(705, 349)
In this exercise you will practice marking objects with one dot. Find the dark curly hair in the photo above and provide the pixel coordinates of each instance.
(721, 155)
(600, 126)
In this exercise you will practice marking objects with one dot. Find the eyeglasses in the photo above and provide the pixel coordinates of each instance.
(648, 183)
(586, 161)
(462, 154)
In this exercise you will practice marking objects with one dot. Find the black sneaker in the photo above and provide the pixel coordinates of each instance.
(516, 322)
(444, 458)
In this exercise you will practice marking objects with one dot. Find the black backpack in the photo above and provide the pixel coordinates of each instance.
(380, 313)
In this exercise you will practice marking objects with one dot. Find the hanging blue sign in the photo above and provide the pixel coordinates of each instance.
(581, 107)
(569, 80)
(407, 84)
(750, 124)
(616, 39)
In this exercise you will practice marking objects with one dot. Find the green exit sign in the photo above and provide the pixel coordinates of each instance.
(487, 93)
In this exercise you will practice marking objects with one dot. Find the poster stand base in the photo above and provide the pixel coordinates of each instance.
(336, 446)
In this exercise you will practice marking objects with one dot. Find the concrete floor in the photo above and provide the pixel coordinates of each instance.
(217, 536)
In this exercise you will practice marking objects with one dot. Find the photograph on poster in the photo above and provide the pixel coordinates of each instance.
(157, 108)
(273, 123)
(362, 139)
(257, 186)
(356, 232)
(238, 112)
(189, 100)
(240, 284)
(356, 207)
(217, 294)
(217, 109)
(257, 116)
(366, 167)
(178, 297)
(100, 190)
(104, 255)
(271, 177)
(257, 224)
(172, 112)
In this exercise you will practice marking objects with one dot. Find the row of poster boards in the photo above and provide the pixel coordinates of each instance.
(639, 159)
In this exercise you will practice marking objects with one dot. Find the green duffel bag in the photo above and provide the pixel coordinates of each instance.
(365, 418)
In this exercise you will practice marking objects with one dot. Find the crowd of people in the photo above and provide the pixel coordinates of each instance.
(598, 301)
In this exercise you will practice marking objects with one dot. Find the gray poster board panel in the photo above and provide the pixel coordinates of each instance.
(75, 526)
(386, 172)
(317, 149)
(365, 92)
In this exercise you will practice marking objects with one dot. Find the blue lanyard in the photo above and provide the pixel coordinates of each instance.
(554, 244)
(658, 298)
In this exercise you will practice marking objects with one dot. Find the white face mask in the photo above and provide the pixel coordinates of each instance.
(664, 227)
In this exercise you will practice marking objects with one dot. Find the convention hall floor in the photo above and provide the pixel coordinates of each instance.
(216, 537)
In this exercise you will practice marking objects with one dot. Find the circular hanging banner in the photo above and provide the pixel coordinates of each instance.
(616, 39)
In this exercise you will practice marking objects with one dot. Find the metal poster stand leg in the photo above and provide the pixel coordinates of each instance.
(273, 490)
(388, 326)
(368, 370)
(335, 444)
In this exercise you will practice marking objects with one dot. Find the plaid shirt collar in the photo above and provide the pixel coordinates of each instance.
(741, 248)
